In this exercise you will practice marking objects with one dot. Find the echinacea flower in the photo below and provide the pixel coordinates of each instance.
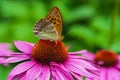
(109, 63)
(49, 60)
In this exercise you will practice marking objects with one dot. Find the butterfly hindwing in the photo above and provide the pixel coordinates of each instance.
(45, 30)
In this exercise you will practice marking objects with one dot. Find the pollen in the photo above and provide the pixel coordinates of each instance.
(106, 58)
(46, 51)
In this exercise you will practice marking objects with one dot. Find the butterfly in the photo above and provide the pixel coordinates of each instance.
(50, 27)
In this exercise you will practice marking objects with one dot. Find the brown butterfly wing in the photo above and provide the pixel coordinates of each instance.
(54, 16)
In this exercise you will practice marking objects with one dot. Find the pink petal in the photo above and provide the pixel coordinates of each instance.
(45, 73)
(24, 46)
(65, 73)
(110, 75)
(5, 52)
(21, 68)
(1, 60)
(78, 77)
(118, 65)
(16, 59)
(64, 68)
(5, 46)
(84, 63)
(103, 74)
(10, 78)
(18, 54)
(78, 69)
(13, 54)
(34, 72)
(4, 49)
(17, 77)
(119, 57)
(60, 74)
(92, 79)
(80, 57)
(113, 73)
(23, 78)
(78, 52)
(89, 55)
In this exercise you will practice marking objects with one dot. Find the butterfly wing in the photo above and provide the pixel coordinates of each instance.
(44, 29)
(54, 17)
(50, 28)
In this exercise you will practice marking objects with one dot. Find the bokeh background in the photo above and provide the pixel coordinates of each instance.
(87, 24)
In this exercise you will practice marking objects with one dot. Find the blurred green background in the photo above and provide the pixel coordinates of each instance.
(87, 24)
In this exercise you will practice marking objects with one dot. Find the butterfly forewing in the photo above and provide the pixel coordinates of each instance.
(50, 27)
(54, 16)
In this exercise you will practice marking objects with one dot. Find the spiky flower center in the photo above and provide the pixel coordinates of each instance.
(46, 51)
(106, 58)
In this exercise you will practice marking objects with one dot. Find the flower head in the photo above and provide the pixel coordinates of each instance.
(109, 63)
(48, 60)
(46, 51)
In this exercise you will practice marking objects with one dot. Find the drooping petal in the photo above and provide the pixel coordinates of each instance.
(60, 74)
(84, 63)
(102, 76)
(77, 76)
(45, 73)
(20, 69)
(24, 46)
(34, 72)
(57, 75)
(61, 68)
(95, 75)
(76, 68)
